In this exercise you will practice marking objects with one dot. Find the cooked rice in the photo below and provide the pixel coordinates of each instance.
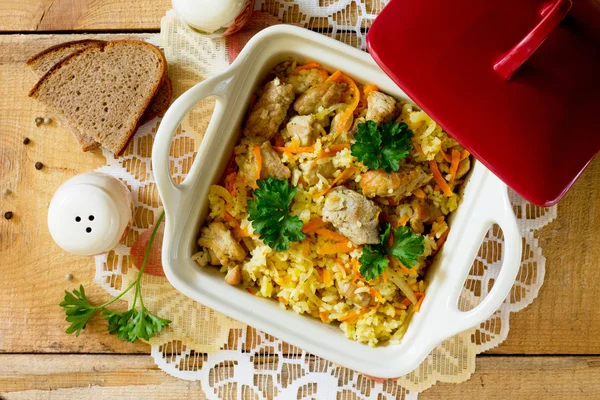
(298, 281)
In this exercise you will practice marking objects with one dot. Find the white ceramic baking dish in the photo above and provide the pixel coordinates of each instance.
(485, 203)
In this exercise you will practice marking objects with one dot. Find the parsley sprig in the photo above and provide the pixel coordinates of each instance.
(130, 325)
(407, 247)
(269, 214)
(382, 147)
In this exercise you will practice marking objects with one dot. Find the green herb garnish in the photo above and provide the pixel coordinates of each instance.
(129, 325)
(382, 147)
(407, 247)
(269, 214)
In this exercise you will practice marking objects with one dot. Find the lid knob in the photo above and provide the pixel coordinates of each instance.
(90, 213)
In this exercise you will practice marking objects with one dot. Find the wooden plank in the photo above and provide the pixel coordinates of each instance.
(145, 15)
(562, 320)
(32, 264)
(73, 15)
(135, 376)
(565, 318)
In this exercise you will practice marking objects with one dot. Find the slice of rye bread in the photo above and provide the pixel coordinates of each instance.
(104, 89)
(42, 62)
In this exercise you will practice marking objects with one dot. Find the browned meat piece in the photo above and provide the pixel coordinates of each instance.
(306, 78)
(322, 95)
(347, 289)
(424, 212)
(312, 169)
(271, 163)
(353, 215)
(395, 184)
(234, 275)
(463, 168)
(221, 244)
(301, 128)
(270, 110)
(381, 107)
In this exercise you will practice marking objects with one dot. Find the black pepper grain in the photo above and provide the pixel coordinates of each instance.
(8, 214)
(26, 140)
(39, 165)
(39, 121)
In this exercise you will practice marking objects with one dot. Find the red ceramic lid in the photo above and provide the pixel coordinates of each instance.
(514, 81)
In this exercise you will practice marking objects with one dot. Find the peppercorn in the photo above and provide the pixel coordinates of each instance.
(39, 121)
(26, 140)
(8, 214)
(39, 165)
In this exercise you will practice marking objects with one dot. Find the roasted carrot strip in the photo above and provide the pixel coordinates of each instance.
(420, 296)
(376, 294)
(230, 183)
(418, 147)
(402, 221)
(237, 229)
(348, 172)
(306, 66)
(446, 156)
(369, 88)
(419, 193)
(332, 235)
(335, 248)
(406, 302)
(324, 316)
(384, 276)
(250, 290)
(332, 150)
(294, 149)
(465, 153)
(278, 140)
(439, 179)
(306, 247)
(334, 76)
(454, 164)
(313, 225)
(282, 300)
(354, 314)
(440, 242)
(327, 277)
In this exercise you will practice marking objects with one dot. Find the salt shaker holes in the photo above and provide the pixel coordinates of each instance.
(78, 219)
(91, 217)
(88, 229)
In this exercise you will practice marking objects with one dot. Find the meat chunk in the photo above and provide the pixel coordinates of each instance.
(322, 95)
(463, 168)
(380, 107)
(234, 275)
(221, 244)
(424, 212)
(347, 290)
(302, 128)
(307, 78)
(270, 110)
(312, 169)
(396, 185)
(353, 215)
(271, 163)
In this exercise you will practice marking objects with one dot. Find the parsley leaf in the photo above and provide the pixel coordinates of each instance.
(382, 147)
(269, 214)
(78, 310)
(368, 142)
(407, 246)
(129, 325)
(134, 324)
(372, 261)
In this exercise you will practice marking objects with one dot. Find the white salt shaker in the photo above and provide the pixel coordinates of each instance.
(214, 17)
(90, 214)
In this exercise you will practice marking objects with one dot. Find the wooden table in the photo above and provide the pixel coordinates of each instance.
(552, 351)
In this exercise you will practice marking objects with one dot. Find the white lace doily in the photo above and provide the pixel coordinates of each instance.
(231, 359)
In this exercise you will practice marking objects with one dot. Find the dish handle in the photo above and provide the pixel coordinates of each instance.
(170, 192)
(491, 209)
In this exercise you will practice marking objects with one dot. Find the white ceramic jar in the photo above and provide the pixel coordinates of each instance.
(90, 214)
(214, 17)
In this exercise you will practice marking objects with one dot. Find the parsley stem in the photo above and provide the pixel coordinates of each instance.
(136, 283)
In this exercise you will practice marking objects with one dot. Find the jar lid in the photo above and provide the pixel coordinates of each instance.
(515, 82)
